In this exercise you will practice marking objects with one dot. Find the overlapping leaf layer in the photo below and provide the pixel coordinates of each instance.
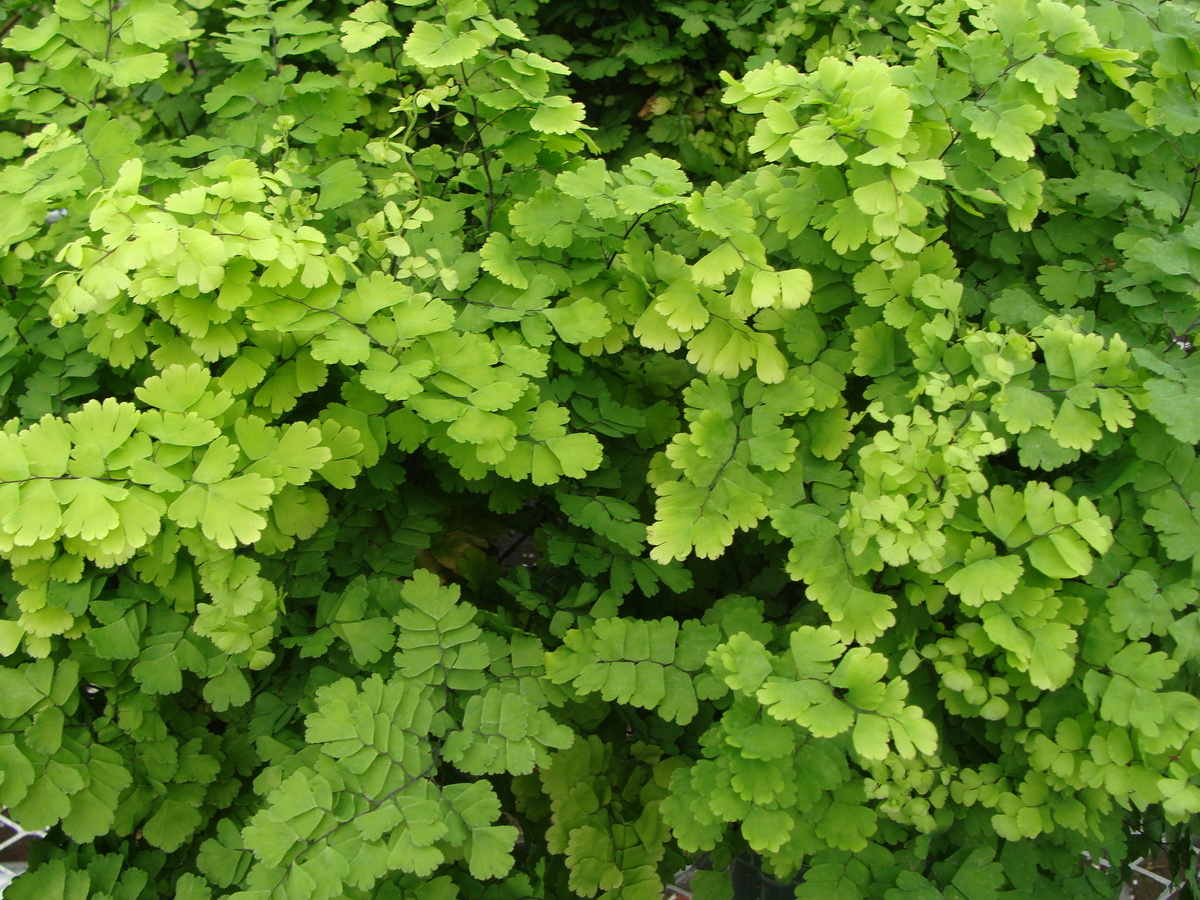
(521, 449)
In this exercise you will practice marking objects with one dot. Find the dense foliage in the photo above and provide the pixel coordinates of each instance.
(836, 358)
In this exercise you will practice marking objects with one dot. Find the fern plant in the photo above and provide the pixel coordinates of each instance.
(836, 358)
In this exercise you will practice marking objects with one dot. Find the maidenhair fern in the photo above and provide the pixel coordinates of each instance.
(460, 451)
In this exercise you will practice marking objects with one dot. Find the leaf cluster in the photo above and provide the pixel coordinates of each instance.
(463, 450)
